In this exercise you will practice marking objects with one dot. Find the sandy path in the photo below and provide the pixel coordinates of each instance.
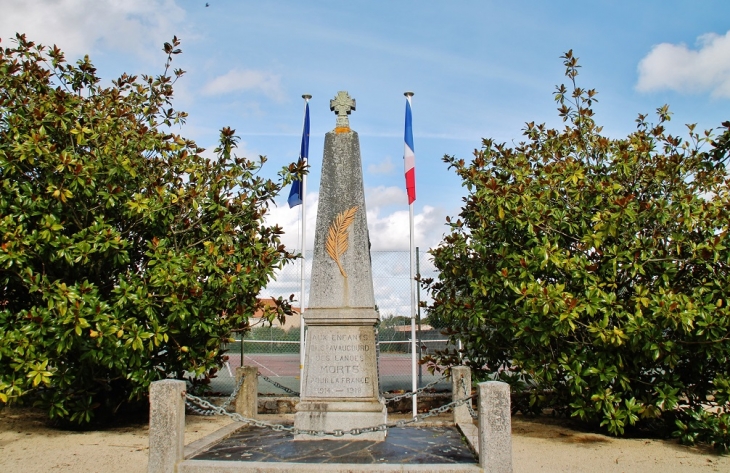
(28, 445)
(545, 446)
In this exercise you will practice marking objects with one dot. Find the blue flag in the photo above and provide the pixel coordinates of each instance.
(295, 195)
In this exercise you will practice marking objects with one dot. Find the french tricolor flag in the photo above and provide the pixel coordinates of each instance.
(409, 156)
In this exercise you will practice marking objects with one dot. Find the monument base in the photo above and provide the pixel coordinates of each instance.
(340, 389)
(332, 415)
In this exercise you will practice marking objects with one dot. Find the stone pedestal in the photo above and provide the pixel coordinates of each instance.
(461, 389)
(247, 401)
(495, 427)
(340, 389)
(340, 380)
(167, 425)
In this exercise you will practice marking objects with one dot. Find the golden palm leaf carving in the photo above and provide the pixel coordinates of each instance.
(337, 236)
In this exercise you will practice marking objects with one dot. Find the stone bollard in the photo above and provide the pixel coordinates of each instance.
(167, 425)
(461, 388)
(495, 427)
(247, 400)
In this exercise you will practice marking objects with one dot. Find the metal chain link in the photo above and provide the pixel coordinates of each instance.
(472, 412)
(280, 386)
(413, 393)
(199, 410)
(224, 406)
(203, 404)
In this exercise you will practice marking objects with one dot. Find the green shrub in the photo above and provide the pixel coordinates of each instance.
(592, 273)
(126, 256)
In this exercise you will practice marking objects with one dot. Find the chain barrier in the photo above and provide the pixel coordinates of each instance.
(280, 386)
(472, 412)
(413, 393)
(224, 406)
(202, 404)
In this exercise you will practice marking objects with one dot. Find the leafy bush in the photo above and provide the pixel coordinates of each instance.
(126, 256)
(593, 273)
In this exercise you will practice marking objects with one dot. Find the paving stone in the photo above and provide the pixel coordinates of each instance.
(403, 445)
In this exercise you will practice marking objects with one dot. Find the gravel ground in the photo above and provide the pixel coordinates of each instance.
(28, 445)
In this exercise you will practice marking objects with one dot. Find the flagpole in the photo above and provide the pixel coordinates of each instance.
(414, 378)
(302, 345)
(413, 316)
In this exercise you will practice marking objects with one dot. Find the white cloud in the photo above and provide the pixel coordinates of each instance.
(388, 231)
(82, 26)
(289, 220)
(265, 82)
(384, 167)
(381, 196)
(389, 236)
(391, 231)
(679, 68)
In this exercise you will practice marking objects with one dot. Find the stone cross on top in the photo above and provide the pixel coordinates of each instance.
(342, 105)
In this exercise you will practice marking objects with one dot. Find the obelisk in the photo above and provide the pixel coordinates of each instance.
(340, 387)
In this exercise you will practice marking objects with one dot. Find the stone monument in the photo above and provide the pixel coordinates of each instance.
(340, 386)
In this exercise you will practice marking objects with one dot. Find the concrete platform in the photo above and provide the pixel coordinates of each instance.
(241, 448)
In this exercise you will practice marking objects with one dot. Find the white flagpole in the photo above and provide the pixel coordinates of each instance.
(414, 356)
(414, 352)
(302, 345)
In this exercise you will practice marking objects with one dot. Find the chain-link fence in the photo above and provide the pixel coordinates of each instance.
(275, 349)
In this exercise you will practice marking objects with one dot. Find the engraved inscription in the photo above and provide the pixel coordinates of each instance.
(342, 363)
(498, 408)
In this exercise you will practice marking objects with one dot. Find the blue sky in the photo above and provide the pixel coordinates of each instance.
(478, 69)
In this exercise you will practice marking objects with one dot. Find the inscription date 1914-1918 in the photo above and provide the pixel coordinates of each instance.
(350, 391)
